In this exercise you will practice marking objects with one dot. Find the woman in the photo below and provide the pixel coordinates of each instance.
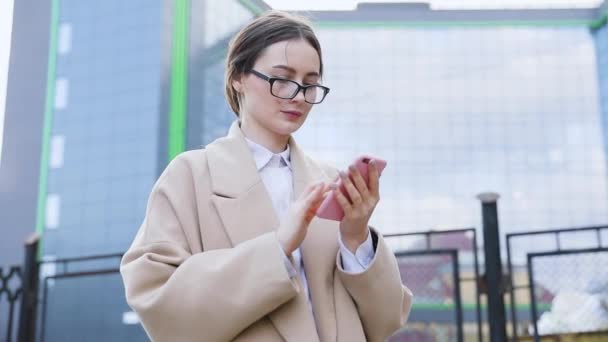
(230, 249)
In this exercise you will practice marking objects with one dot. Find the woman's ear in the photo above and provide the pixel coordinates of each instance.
(237, 85)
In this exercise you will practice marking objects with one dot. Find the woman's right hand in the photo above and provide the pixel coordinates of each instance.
(294, 226)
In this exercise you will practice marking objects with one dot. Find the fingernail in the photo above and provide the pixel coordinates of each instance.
(333, 186)
(342, 174)
(352, 168)
(373, 162)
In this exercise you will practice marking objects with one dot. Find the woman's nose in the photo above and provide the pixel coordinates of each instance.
(299, 96)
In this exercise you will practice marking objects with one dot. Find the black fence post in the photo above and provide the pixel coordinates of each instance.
(493, 277)
(533, 303)
(29, 300)
(457, 296)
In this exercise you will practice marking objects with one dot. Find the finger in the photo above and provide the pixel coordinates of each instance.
(374, 176)
(307, 190)
(310, 189)
(310, 214)
(316, 192)
(316, 204)
(313, 202)
(316, 185)
(353, 193)
(330, 187)
(324, 194)
(359, 182)
(343, 201)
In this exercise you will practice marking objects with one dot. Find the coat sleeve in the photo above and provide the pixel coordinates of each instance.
(212, 295)
(382, 300)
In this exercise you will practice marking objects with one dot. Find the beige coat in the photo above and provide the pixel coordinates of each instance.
(206, 265)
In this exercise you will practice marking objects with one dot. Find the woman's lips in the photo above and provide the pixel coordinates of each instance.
(292, 114)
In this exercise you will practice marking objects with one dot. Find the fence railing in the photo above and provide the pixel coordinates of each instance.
(550, 243)
(19, 285)
(451, 259)
(65, 273)
(572, 289)
(449, 245)
(10, 289)
(445, 248)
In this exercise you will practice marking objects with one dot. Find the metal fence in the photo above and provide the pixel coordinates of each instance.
(433, 270)
(436, 265)
(546, 262)
(19, 287)
(72, 269)
(432, 266)
(25, 303)
(441, 267)
(10, 293)
(578, 282)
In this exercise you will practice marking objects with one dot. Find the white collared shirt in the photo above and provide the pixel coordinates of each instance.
(276, 172)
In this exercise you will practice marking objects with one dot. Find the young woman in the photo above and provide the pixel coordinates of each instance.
(230, 248)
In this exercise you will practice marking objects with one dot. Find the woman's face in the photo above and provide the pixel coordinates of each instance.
(295, 60)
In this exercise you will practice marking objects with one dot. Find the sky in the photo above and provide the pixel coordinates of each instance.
(6, 24)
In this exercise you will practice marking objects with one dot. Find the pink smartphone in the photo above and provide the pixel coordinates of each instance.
(330, 208)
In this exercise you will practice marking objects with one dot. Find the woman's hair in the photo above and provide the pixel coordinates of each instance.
(246, 46)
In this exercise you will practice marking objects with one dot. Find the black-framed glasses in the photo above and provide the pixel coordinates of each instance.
(288, 89)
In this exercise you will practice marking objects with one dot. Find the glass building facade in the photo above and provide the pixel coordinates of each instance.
(213, 24)
(103, 157)
(459, 111)
(105, 130)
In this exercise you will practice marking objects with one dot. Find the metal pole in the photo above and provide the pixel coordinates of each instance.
(533, 299)
(477, 291)
(514, 337)
(494, 276)
(45, 297)
(29, 300)
(457, 296)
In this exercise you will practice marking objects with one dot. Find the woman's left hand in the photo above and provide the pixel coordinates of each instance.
(358, 210)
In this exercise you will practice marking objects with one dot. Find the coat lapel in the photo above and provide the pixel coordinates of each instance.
(246, 211)
(238, 192)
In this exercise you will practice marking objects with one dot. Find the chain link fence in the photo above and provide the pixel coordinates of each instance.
(569, 291)
(433, 276)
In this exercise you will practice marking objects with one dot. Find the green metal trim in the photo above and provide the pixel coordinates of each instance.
(472, 306)
(179, 80)
(253, 8)
(599, 23)
(47, 125)
(592, 24)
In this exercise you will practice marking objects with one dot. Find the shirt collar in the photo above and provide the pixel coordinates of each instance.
(262, 155)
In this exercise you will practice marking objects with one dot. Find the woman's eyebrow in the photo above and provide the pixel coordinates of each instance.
(293, 71)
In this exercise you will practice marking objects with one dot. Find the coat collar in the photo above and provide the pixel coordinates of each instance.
(246, 211)
(232, 154)
(262, 156)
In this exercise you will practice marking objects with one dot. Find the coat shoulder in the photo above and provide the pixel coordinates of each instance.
(184, 166)
(192, 157)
